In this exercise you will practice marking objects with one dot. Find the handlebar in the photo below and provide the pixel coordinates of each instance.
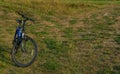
(26, 18)
(23, 21)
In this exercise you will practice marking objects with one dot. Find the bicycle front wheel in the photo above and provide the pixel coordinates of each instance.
(24, 54)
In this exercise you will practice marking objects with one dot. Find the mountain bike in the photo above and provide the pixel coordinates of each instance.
(24, 49)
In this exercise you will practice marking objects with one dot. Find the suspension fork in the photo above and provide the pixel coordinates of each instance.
(14, 39)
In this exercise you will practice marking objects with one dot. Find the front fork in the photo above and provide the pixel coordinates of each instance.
(17, 41)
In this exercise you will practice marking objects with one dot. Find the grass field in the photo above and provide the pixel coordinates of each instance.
(73, 36)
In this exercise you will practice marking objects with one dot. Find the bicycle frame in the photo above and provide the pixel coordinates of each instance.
(20, 31)
(19, 34)
(20, 43)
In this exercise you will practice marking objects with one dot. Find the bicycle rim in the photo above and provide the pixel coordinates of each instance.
(26, 53)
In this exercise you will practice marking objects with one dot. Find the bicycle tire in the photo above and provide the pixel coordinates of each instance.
(13, 53)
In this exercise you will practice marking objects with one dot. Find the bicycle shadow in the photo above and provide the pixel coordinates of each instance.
(5, 55)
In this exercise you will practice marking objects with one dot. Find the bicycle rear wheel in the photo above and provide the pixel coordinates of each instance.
(24, 54)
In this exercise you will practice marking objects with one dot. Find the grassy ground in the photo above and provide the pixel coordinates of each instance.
(73, 36)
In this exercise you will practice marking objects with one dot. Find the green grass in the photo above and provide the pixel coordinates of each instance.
(117, 39)
(68, 32)
(51, 65)
(73, 21)
(73, 36)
